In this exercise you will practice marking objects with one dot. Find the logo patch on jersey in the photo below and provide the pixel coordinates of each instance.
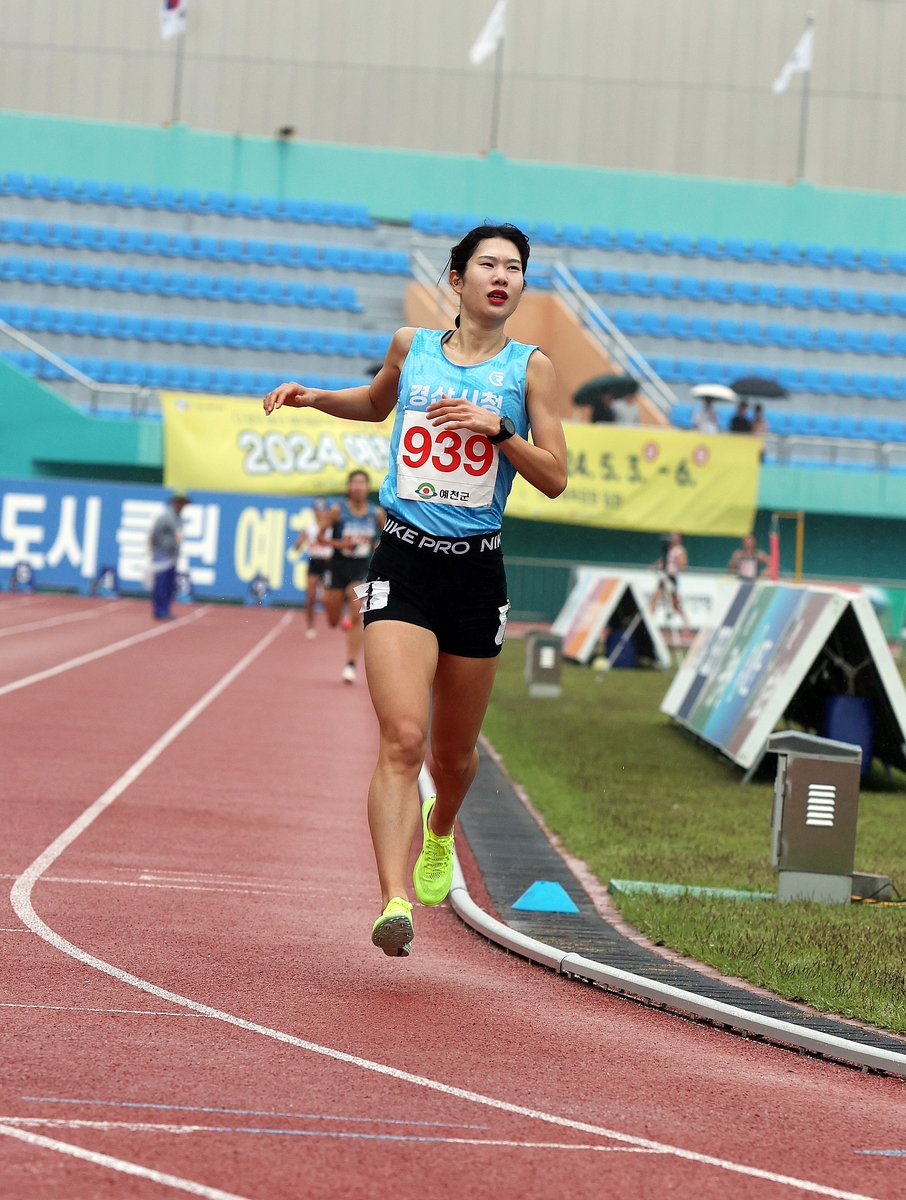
(426, 491)
(496, 378)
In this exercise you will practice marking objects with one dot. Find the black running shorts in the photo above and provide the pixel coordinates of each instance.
(342, 570)
(318, 566)
(457, 589)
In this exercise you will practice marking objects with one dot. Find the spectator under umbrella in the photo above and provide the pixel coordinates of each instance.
(598, 393)
(757, 385)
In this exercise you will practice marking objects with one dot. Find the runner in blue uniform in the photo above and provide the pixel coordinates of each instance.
(356, 526)
(434, 601)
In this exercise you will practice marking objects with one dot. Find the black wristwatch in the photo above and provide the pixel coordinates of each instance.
(507, 430)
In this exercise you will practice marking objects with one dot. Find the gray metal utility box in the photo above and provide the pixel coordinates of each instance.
(543, 665)
(816, 805)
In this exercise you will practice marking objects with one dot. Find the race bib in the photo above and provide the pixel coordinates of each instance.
(444, 466)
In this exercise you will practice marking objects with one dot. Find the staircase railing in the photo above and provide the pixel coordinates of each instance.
(425, 273)
(617, 347)
(139, 397)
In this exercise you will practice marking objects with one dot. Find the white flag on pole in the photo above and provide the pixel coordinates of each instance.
(172, 18)
(798, 62)
(494, 30)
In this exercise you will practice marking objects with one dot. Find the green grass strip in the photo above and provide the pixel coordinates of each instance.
(639, 800)
(638, 887)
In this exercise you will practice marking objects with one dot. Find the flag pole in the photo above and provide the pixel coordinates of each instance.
(803, 111)
(177, 76)
(498, 82)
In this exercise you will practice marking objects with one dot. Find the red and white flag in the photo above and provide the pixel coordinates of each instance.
(172, 18)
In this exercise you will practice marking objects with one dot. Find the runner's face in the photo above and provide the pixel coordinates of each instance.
(493, 282)
(357, 490)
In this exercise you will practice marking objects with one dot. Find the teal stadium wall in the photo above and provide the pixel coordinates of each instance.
(394, 182)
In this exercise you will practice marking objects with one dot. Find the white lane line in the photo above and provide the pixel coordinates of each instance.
(168, 627)
(170, 887)
(344, 1135)
(118, 1164)
(134, 1012)
(248, 1112)
(48, 622)
(20, 897)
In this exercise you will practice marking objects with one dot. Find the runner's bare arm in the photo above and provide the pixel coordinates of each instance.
(371, 402)
(543, 460)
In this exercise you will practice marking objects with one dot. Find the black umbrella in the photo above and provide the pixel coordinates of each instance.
(757, 385)
(614, 386)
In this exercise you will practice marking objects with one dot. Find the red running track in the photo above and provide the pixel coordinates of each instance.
(235, 872)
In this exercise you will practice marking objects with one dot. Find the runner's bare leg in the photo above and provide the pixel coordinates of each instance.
(462, 689)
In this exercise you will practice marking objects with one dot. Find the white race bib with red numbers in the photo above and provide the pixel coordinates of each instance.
(444, 466)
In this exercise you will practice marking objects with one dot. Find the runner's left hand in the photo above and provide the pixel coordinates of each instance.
(450, 413)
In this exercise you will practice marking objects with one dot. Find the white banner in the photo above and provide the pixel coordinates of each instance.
(172, 18)
(798, 63)
(494, 29)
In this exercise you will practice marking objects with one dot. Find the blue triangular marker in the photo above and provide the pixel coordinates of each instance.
(545, 896)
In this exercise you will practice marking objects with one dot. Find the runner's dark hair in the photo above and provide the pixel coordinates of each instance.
(464, 249)
(357, 471)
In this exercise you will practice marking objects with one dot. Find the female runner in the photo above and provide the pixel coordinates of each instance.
(355, 525)
(435, 601)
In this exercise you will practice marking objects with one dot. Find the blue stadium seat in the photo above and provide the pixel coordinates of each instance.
(880, 342)
(795, 296)
(893, 431)
(854, 341)
(142, 196)
(826, 425)
(638, 283)
(849, 300)
(545, 232)
(625, 320)
(813, 381)
(896, 260)
(838, 382)
(871, 427)
(64, 188)
(873, 260)
(875, 302)
(13, 230)
(600, 237)
(192, 201)
(612, 282)
(729, 331)
(167, 197)
(117, 194)
(803, 337)
(301, 211)
(743, 292)
(220, 381)
(888, 386)
(702, 329)
(114, 371)
(816, 255)
(863, 385)
(423, 221)
(347, 299)
(448, 224)
(848, 427)
(829, 339)
(301, 294)
(271, 208)
(650, 324)
(845, 257)
(682, 416)
(762, 251)
(61, 274)
(628, 239)
(136, 374)
(676, 326)
(41, 187)
(108, 238)
(273, 291)
(736, 249)
(219, 203)
(36, 270)
(709, 247)
(789, 378)
(691, 288)
(573, 235)
(177, 377)
(789, 253)
(654, 242)
(753, 333)
(184, 245)
(769, 293)
(257, 251)
(586, 277)
(719, 290)
(665, 286)
(15, 184)
(823, 299)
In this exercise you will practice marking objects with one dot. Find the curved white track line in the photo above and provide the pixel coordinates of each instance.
(20, 897)
(118, 1164)
(102, 653)
(48, 622)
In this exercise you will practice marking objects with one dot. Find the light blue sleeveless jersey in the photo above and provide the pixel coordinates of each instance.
(447, 479)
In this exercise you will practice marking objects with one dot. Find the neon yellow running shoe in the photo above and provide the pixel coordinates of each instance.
(393, 931)
(433, 872)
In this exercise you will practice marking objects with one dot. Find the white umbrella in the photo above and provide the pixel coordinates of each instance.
(714, 391)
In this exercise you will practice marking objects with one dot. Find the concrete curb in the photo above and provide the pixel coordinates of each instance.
(574, 966)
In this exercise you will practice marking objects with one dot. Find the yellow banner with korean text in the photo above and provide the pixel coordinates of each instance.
(651, 479)
(224, 444)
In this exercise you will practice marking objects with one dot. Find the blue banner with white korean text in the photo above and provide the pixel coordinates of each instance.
(70, 532)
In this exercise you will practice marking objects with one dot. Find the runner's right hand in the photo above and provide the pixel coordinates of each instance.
(291, 395)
